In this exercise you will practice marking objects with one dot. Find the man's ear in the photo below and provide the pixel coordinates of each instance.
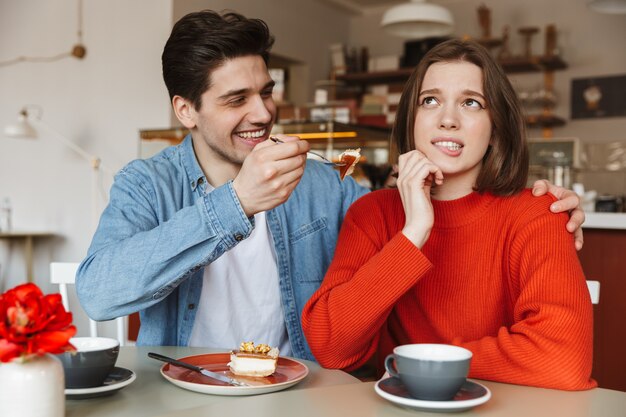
(185, 111)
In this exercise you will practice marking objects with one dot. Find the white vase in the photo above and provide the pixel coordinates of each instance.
(32, 388)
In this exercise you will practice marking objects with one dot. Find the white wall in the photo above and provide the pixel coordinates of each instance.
(99, 102)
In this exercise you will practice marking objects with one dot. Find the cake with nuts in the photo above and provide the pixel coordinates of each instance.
(253, 360)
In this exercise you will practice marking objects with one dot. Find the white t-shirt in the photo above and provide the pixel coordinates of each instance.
(240, 298)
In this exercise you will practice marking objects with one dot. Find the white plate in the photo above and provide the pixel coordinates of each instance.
(117, 379)
(288, 373)
(469, 396)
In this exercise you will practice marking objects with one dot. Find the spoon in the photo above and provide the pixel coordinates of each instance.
(210, 374)
(323, 160)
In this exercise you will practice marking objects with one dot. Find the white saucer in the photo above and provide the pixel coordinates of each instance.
(470, 395)
(117, 379)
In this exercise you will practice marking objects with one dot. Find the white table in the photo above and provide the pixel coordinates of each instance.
(324, 393)
(360, 400)
(151, 395)
(28, 237)
(595, 220)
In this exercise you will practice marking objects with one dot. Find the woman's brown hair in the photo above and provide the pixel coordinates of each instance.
(505, 165)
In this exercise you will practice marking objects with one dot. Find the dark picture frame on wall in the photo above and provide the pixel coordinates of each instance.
(597, 97)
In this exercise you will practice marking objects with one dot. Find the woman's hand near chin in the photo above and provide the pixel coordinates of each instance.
(416, 175)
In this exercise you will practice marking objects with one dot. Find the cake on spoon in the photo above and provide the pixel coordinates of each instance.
(350, 157)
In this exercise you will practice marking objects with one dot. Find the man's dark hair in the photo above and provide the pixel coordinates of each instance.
(201, 41)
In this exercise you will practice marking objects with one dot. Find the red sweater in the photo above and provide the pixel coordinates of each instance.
(498, 276)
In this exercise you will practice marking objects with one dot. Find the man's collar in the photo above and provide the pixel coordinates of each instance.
(194, 173)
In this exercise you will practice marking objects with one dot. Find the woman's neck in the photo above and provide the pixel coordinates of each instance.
(454, 187)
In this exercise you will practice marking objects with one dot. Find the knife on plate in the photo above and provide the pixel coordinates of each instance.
(210, 374)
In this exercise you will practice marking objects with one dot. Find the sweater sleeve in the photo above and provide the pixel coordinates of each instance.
(371, 270)
(550, 341)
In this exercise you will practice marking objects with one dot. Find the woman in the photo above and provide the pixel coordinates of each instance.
(460, 252)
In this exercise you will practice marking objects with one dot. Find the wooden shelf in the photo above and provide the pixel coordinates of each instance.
(545, 64)
(533, 64)
(510, 65)
(174, 135)
(540, 120)
(362, 131)
(490, 42)
(399, 75)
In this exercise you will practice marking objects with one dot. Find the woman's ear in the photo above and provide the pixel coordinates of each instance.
(185, 111)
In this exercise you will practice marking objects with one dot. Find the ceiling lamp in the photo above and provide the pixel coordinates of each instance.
(608, 6)
(418, 20)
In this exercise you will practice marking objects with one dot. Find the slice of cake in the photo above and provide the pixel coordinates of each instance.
(251, 360)
(350, 158)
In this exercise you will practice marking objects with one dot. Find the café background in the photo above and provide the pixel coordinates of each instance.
(102, 101)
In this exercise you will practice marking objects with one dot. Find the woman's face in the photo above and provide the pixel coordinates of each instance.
(452, 124)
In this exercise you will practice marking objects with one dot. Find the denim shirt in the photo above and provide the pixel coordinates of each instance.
(160, 229)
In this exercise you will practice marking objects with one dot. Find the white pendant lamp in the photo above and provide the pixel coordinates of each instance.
(418, 20)
(608, 6)
(21, 128)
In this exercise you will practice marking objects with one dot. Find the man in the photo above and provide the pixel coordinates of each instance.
(225, 237)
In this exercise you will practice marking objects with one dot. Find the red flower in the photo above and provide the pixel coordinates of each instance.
(32, 323)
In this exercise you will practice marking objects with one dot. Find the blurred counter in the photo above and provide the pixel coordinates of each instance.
(605, 221)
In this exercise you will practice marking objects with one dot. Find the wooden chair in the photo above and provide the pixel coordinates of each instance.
(64, 274)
